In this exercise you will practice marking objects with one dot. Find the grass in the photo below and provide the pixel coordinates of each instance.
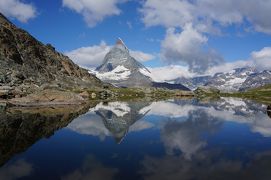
(124, 94)
(261, 94)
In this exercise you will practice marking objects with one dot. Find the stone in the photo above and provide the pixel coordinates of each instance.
(93, 95)
(84, 95)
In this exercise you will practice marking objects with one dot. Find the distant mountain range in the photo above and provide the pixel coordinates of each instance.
(239, 79)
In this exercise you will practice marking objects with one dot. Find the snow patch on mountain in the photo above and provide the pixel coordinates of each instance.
(145, 72)
(119, 73)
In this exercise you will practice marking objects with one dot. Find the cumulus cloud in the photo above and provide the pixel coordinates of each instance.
(142, 56)
(205, 14)
(197, 20)
(89, 56)
(228, 66)
(18, 9)
(187, 47)
(167, 73)
(94, 11)
(262, 59)
(92, 56)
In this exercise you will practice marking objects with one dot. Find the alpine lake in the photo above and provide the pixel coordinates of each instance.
(186, 139)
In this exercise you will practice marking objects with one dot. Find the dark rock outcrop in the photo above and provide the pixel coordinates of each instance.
(27, 65)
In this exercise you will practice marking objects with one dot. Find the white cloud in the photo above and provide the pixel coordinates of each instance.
(17, 9)
(205, 14)
(166, 73)
(170, 14)
(188, 47)
(262, 59)
(94, 11)
(226, 67)
(92, 56)
(197, 19)
(141, 56)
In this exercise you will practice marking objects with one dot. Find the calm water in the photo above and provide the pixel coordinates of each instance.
(174, 139)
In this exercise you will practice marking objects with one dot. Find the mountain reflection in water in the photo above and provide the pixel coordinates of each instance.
(175, 139)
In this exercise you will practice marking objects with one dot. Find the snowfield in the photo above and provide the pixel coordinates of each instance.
(119, 73)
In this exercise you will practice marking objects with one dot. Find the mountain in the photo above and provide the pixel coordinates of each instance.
(121, 69)
(239, 79)
(194, 82)
(231, 81)
(28, 65)
(256, 80)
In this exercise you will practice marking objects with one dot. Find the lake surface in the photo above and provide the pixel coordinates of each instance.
(174, 139)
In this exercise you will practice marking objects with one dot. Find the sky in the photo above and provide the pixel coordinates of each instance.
(172, 38)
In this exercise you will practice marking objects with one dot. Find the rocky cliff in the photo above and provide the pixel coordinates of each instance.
(27, 65)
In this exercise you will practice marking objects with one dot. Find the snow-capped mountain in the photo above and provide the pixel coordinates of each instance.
(256, 80)
(231, 81)
(194, 82)
(239, 79)
(121, 69)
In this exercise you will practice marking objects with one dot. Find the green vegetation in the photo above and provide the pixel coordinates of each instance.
(261, 94)
(207, 93)
(124, 94)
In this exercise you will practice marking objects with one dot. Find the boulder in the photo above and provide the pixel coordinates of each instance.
(84, 95)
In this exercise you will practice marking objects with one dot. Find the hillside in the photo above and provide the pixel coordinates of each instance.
(27, 65)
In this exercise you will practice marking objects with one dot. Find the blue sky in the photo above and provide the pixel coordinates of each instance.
(199, 35)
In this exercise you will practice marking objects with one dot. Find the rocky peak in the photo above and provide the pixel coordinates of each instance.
(120, 43)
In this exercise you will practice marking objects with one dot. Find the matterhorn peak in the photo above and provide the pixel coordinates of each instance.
(120, 43)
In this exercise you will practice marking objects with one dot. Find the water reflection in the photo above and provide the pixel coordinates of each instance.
(268, 110)
(175, 139)
(22, 127)
(114, 118)
(92, 169)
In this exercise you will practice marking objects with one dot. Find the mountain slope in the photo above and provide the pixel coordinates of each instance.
(257, 80)
(194, 82)
(28, 65)
(239, 79)
(121, 69)
(231, 81)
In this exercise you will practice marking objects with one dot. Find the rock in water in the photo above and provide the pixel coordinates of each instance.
(28, 65)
